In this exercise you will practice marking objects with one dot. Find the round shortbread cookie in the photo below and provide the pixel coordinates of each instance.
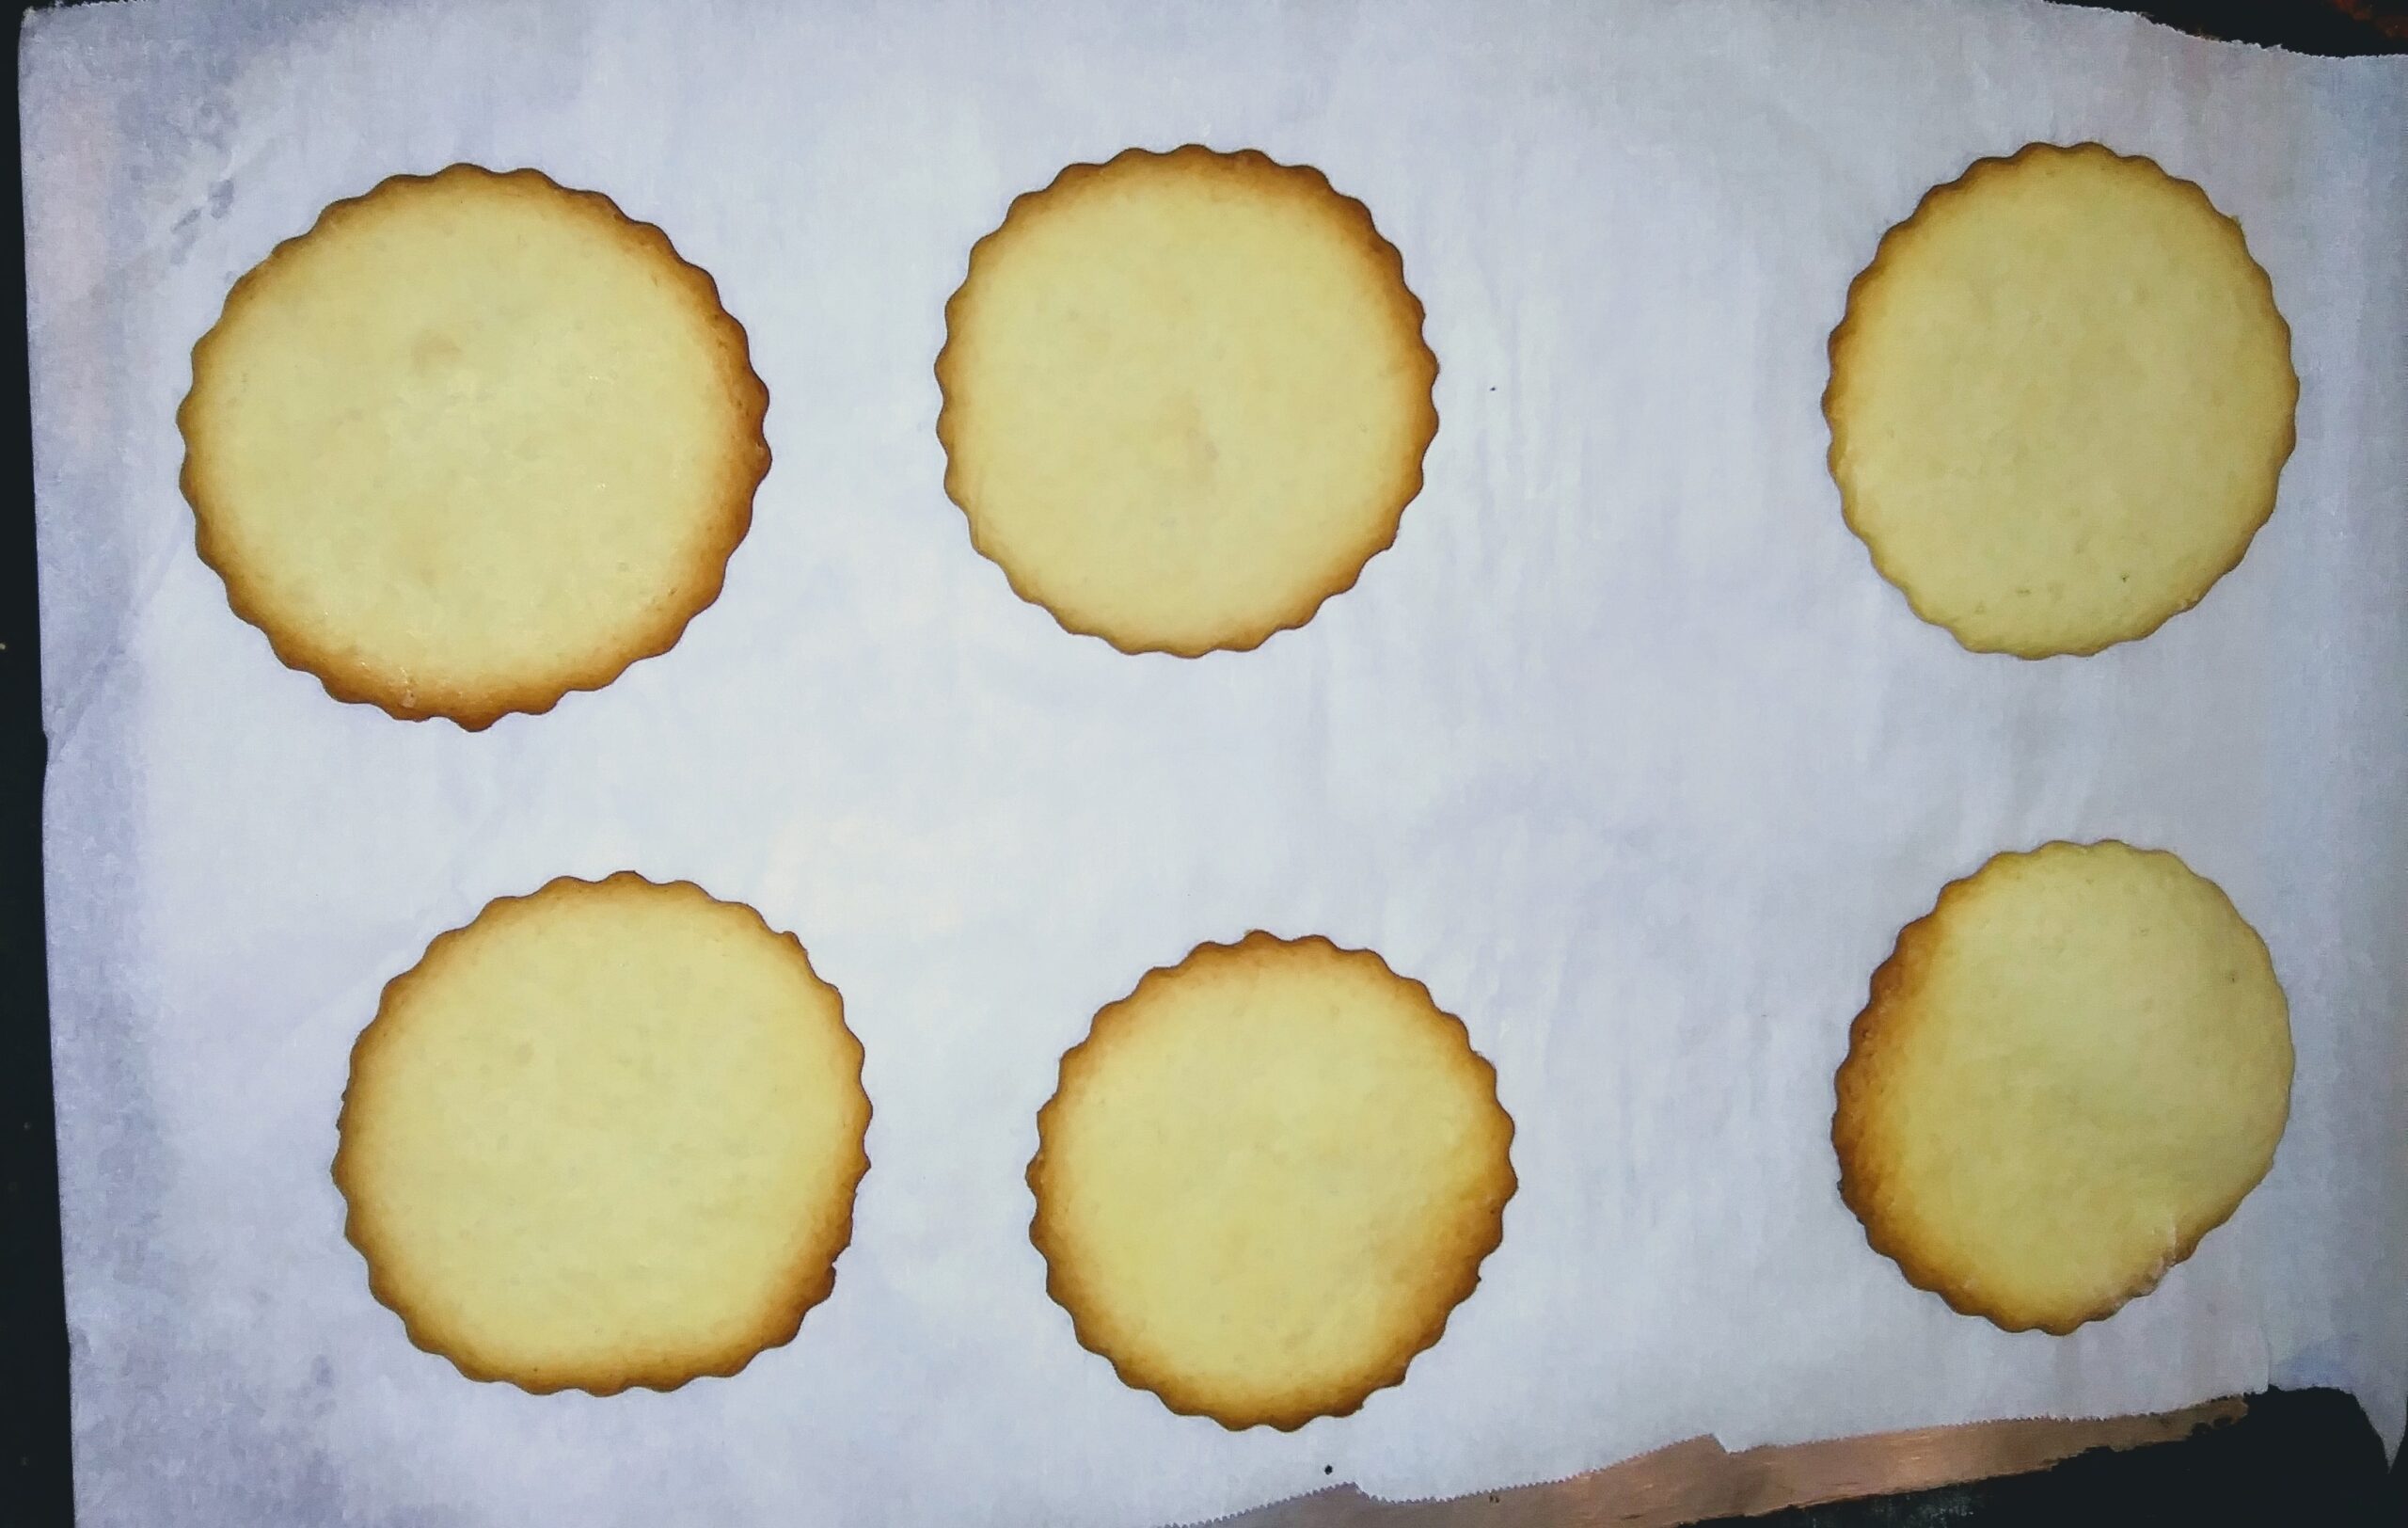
(1186, 397)
(2072, 1069)
(470, 442)
(606, 1134)
(2060, 401)
(1268, 1176)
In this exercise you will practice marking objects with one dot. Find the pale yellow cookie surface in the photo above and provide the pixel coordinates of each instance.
(606, 1134)
(2060, 401)
(1186, 397)
(470, 442)
(1267, 1177)
(2069, 1072)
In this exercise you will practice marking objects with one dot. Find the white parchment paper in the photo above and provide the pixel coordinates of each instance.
(1623, 748)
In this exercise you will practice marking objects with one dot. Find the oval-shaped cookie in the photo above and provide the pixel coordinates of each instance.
(1268, 1176)
(2069, 1071)
(2060, 401)
(1186, 397)
(606, 1134)
(472, 441)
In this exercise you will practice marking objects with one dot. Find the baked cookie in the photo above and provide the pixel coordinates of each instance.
(2071, 1069)
(1268, 1176)
(1185, 397)
(471, 442)
(606, 1134)
(2060, 401)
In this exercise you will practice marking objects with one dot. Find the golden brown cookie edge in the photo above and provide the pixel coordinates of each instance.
(1412, 317)
(475, 710)
(1062, 1284)
(781, 1323)
(1938, 197)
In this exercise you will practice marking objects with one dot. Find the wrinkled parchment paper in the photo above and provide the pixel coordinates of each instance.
(1623, 748)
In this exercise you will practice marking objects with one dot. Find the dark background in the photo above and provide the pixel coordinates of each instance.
(2305, 1457)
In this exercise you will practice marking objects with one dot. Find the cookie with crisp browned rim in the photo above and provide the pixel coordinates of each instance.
(2069, 1071)
(1185, 397)
(606, 1134)
(472, 441)
(2060, 401)
(1268, 1176)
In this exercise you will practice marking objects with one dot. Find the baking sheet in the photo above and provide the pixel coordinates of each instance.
(1622, 748)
